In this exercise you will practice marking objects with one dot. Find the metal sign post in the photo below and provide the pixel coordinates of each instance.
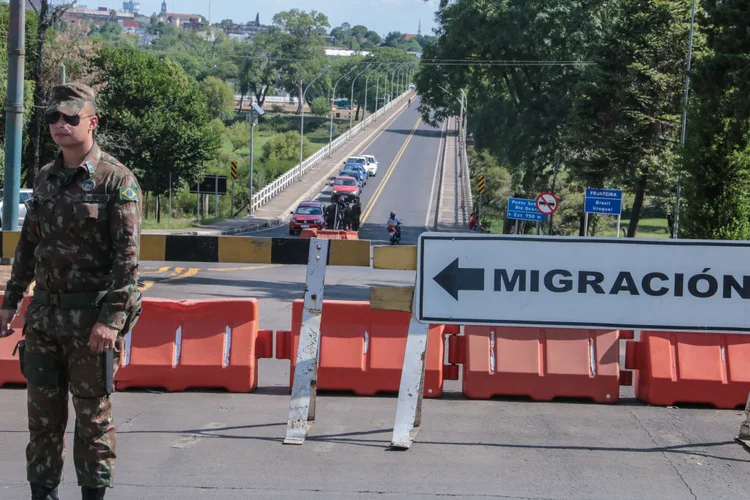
(233, 172)
(216, 198)
(524, 209)
(602, 201)
(302, 404)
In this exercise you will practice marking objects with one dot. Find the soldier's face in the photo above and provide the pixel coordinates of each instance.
(66, 135)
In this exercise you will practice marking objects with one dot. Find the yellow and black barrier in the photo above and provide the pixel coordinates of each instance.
(251, 250)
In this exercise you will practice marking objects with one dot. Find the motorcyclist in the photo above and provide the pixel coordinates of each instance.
(395, 223)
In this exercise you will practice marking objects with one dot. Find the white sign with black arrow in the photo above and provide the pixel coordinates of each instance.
(686, 285)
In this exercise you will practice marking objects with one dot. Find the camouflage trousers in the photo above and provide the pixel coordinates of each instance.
(94, 436)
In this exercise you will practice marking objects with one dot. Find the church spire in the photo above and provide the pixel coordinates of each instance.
(164, 7)
(419, 30)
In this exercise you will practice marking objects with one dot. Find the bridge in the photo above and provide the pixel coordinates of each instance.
(200, 442)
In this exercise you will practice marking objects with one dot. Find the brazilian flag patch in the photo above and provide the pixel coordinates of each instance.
(129, 194)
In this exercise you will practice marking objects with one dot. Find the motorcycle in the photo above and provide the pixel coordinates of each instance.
(395, 231)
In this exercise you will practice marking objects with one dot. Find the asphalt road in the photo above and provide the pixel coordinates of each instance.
(407, 152)
(213, 445)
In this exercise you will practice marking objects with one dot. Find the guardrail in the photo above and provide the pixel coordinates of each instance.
(281, 183)
(467, 179)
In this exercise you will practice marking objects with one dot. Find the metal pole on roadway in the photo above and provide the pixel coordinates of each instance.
(333, 96)
(302, 121)
(169, 215)
(252, 156)
(684, 121)
(367, 82)
(14, 115)
(351, 102)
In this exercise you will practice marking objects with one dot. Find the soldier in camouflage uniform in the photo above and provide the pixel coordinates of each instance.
(79, 242)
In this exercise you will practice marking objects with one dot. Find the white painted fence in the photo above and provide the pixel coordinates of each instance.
(292, 175)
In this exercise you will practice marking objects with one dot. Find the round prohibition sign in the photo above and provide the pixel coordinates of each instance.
(546, 203)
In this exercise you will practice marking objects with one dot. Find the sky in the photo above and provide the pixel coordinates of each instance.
(382, 16)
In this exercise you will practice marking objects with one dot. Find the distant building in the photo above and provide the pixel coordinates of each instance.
(98, 17)
(131, 6)
(339, 52)
(188, 21)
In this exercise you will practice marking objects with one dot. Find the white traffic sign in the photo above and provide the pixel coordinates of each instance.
(685, 285)
(546, 203)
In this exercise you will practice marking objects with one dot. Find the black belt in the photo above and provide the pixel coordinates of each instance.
(83, 300)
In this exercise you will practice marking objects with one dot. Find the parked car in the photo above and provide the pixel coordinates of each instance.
(346, 187)
(356, 159)
(309, 214)
(355, 174)
(24, 195)
(360, 169)
(372, 165)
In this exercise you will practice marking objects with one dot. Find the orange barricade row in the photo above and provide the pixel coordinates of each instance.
(362, 350)
(178, 345)
(540, 363)
(682, 367)
(10, 370)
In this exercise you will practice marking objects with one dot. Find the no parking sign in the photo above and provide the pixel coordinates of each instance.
(547, 203)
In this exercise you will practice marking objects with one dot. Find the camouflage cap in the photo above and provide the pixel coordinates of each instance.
(70, 98)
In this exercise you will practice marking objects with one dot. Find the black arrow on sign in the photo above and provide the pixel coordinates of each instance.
(454, 279)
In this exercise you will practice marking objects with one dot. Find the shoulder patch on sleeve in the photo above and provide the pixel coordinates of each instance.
(129, 194)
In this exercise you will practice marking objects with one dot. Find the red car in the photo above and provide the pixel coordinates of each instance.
(345, 186)
(309, 214)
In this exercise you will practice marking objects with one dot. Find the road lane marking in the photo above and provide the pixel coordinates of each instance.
(441, 150)
(147, 285)
(389, 173)
(181, 273)
(250, 268)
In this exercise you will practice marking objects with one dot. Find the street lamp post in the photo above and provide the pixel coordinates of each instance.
(676, 229)
(302, 121)
(333, 96)
(377, 87)
(351, 101)
(367, 81)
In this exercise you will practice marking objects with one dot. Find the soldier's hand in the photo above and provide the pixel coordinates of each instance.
(102, 338)
(6, 318)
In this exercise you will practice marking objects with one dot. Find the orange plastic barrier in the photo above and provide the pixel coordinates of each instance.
(682, 367)
(10, 371)
(362, 350)
(178, 345)
(329, 234)
(540, 363)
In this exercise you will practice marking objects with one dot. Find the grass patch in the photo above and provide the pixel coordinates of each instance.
(647, 228)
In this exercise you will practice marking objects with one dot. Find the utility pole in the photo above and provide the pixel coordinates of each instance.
(14, 114)
(675, 232)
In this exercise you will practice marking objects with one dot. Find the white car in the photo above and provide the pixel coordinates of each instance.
(372, 165)
(23, 195)
(356, 159)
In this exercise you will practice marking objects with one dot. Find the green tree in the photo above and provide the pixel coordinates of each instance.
(258, 72)
(320, 107)
(295, 33)
(717, 153)
(627, 108)
(239, 135)
(219, 96)
(155, 118)
(47, 16)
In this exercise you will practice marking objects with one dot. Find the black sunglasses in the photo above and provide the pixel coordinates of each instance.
(72, 120)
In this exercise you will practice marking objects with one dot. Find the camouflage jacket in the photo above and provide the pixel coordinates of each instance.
(81, 233)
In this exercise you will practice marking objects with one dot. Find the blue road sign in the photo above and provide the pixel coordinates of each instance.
(521, 209)
(603, 201)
